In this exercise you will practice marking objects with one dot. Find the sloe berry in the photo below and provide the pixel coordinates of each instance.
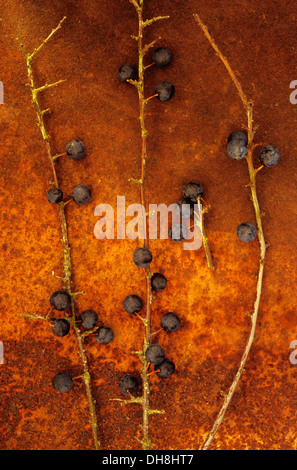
(155, 354)
(246, 232)
(89, 319)
(165, 91)
(60, 327)
(165, 369)
(75, 149)
(236, 149)
(185, 208)
(238, 135)
(132, 304)
(161, 57)
(129, 384)
(178, 233)
(104, 335)
(81, 194)
(60, 300)
(269, 156)
(142, 257)
(170, 322)
(192, 191)
(127, 72)
(62, 382)
(158, 282)
(54, 195)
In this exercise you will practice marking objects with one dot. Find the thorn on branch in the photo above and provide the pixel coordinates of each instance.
(152, 20)
(46, 86)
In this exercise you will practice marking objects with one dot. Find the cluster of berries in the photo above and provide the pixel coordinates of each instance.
(81, 194)
(170, 322)
(60, 300)
(269, 156)
(160, 57)
(185, 206)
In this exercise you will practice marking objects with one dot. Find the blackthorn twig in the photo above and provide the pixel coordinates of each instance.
(139, 85)
(67, 279)
(251, 129)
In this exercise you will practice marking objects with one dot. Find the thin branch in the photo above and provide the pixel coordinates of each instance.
(36, 50)
(152, 20)
(142, 50)
(248, 105)
(67, 279)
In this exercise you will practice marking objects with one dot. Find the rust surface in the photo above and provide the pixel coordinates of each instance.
(187, 140)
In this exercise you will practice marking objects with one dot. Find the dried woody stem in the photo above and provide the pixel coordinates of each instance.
(139, 84)
(248, 106)
(67, 279)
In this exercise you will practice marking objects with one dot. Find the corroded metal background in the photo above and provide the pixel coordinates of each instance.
(187, 141)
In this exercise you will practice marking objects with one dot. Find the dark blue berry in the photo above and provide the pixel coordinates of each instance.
(60, 327)
(161, 57)
(54, 195)
(104, 335)
(170, 322)
(269, 156)
(129, 384)
(185, 208)
(132, 304)
(158, 282)
(60, 300)
(81, 194)
(236, 149)
(127, 72)
(154, 354)
(246, 232)
(239, 136)
(165, 91)
(178, 233)
(165, 369)
(192, 191)
(142, 257)
(89, 319)
(62, 382)
(75, 149)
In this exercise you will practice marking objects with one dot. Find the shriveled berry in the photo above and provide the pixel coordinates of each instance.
(60, 327)
(75, 149)
(165, 369)
(62, 382)
(132, 304)
(81, 194)
(104, 335)
(161, 57)
(155, 354)
(269, 156)
(236, 149)
(185, 208)
(89, 319)
(192, 191)
(238, 135)
(127, 72)
(246, 232)
(158, 282)
(165, 91)
(54, 195)
(60, 300)
(178, 233)
(142, 257)
(170, 322)
(129, 385)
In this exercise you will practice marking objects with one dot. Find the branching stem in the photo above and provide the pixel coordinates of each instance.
(67, 279)
(139, 84)
(248, 107)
